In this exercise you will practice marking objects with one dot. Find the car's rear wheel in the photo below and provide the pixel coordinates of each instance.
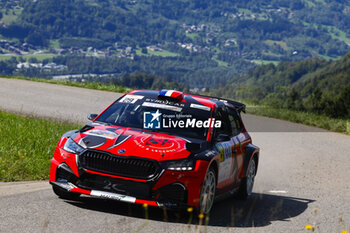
(246, 187)
(207, 195)
(65, 194)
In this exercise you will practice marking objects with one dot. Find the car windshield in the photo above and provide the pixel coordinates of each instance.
(179, 121)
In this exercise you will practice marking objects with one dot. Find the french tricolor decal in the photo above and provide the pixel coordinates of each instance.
(172, 94)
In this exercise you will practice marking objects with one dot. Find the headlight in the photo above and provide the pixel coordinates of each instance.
(72, 147)
(180, 165)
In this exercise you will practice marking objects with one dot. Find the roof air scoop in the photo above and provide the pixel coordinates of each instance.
(171, 95)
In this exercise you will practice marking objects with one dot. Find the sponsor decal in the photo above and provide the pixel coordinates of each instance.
(163, 142)
(165, 102)
(211, 153)
(241, 137)
(157, 144)
(162, 106)
(130, 99)
(225, 150)
(114, 196)
(155, 120)
(202, 107)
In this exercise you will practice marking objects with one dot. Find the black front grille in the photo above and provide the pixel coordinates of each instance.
(120, 186)
(117, 165)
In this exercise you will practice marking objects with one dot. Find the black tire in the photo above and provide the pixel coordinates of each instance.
(61, 193)
(207, 194)
(247, 182)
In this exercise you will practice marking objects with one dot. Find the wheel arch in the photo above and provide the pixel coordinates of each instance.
(215, 166)
(251, 152)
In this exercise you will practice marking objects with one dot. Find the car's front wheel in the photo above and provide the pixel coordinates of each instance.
(207, 195)
(247, 183)
(65, 194)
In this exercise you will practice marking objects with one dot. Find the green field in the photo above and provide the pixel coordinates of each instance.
(55, 44)
(39, 57)
(163, 53)
(280, 43)
(27, 145)
(221, 63)
(264, 62)
(333, 31)
(5, 57)
(192, 35)
(328, 58)
(338, 34)
(11, 15)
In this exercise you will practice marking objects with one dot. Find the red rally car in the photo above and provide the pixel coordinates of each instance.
(161, 148)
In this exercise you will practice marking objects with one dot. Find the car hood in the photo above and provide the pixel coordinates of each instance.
(123, 141)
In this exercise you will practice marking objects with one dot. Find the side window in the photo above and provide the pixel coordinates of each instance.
(234, 121)
(225, 123)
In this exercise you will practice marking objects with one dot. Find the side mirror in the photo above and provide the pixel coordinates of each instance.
(223, 138)
(92, 116)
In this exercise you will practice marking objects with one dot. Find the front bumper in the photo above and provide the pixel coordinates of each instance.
(173, 189)
(69, 187)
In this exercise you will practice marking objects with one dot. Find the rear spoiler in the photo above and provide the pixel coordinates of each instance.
(237, 105)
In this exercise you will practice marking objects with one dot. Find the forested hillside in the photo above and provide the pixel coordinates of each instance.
(200, 43)
(267, 29)
(314, 85)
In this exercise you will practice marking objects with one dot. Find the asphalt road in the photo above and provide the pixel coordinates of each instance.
(303, 178)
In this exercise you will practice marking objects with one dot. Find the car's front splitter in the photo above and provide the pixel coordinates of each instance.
(69, 187)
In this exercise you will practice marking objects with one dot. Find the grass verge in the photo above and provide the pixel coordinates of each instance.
(88, 85)
(27, 145)
(306, 118)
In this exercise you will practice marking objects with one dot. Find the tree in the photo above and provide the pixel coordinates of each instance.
(294, 101)
(37, 39)
(345, 99)
(144, 50)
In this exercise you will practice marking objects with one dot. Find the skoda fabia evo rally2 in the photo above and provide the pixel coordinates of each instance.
(161, 148)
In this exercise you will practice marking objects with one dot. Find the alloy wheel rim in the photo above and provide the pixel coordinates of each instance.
(250, 177)
(208, 193)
